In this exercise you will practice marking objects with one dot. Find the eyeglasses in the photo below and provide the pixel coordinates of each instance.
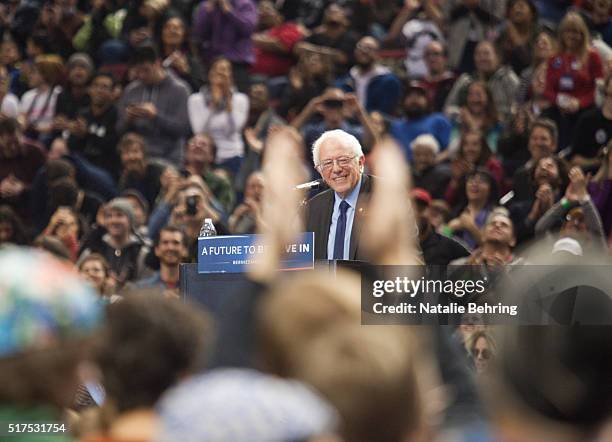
(485, 353)
(329, 164)
(575, 219)
(365, 48)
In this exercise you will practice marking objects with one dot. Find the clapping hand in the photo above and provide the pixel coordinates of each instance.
(577, 189)
(389, 237)
(279, 201)
(11, 187)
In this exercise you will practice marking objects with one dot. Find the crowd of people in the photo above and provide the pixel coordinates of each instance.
(440, 132)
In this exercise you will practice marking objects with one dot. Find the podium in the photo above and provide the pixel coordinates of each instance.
(231, 299)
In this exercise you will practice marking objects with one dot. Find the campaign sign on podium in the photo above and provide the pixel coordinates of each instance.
(235, 253)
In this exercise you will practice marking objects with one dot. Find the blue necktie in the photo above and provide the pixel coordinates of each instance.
(340, 231)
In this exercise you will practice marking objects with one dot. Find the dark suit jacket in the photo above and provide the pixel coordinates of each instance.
(318, 214)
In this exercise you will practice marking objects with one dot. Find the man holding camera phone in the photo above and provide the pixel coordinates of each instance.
(336, 108)
(154, 106)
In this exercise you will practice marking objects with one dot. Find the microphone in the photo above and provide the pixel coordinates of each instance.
(309, 185)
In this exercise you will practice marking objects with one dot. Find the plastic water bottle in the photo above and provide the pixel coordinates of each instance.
(208, 228)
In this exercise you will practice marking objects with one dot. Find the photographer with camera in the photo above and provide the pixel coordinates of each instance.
(338, 110)
(186, 202)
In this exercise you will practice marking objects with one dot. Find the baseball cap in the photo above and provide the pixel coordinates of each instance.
(415, 86)
(420, 194)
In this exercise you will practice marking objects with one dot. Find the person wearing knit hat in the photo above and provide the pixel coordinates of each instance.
(124, 206)
(80, 59)
(47, 316)
(74, 99)
(117, 241)
(139, 204)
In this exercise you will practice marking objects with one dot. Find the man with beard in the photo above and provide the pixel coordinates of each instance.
(116, 241)
(437, 249)
(137, 172)
(171, 250)
(377, 89)
(19, 161)
(419, 120)
(542, 142)
(93, 132)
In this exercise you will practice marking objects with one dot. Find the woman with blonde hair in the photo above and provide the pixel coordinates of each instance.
(571, 75)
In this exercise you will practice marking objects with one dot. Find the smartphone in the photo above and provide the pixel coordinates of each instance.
(192, 205)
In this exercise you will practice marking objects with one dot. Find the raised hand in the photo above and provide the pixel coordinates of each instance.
(577, 189)
(389, 233)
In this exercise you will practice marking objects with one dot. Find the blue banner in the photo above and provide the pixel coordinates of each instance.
(235, 253)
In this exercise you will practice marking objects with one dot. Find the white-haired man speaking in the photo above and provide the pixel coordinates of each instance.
(335, 214)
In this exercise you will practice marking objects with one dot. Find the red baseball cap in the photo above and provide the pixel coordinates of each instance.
(421, 195)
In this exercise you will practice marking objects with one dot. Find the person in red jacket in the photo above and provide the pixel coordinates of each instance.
(571, 75)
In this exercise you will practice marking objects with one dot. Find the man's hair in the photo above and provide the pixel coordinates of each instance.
(144, 54)
(298, 309)
(147, 345)
(344, 138)
(131, 139)
(8, 126)
(63, 191)
(172, 228)
(548, 124)
(371, 376)
(562, 166)
(58, 169)
(105, 74)
(426, 140)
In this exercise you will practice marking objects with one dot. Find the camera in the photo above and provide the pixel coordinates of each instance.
(192, 205)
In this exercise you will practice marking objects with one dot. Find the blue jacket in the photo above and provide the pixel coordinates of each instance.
(383, 93)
